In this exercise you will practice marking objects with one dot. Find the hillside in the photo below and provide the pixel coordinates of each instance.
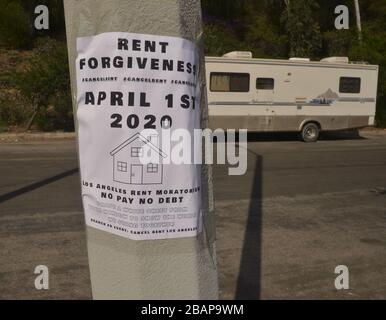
(268, 28)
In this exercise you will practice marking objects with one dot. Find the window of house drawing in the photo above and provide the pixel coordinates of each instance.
(152, 168)
(122, 166)
(136, 151)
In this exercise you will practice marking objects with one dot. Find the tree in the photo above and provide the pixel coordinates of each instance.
(303, 30)
(15, 28)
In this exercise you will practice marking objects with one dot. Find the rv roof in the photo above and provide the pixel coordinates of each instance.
(303, 62)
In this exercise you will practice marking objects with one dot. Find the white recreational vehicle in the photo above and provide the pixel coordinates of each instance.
(290, 95)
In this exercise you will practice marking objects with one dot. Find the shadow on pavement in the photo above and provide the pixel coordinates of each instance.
(342, 135)
(249, 279)
(294, 136)
(36, 185)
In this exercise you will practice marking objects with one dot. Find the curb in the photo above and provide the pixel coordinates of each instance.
(38, 136)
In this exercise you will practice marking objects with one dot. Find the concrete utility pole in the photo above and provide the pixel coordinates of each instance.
(181, 268)
(358, 19)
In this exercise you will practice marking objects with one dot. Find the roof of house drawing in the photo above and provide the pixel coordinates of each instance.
(143, 139)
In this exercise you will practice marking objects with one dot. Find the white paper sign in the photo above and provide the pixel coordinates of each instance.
(126, 83)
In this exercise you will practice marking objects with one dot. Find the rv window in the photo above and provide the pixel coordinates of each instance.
(229, 82)
(265, 83)
(349, 85)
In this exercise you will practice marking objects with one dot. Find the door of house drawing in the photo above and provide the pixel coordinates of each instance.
(136, 173)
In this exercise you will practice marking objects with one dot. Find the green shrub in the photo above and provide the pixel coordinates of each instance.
(46, 85)
(58, 115)
(14, 109)
(373, 50)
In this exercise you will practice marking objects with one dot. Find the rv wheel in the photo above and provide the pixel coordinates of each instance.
(310, 132)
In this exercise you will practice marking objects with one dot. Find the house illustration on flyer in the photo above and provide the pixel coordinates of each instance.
(128, 167)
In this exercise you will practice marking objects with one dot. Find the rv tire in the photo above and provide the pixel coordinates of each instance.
(310, 132)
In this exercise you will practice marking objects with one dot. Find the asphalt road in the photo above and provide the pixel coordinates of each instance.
(282, 228)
